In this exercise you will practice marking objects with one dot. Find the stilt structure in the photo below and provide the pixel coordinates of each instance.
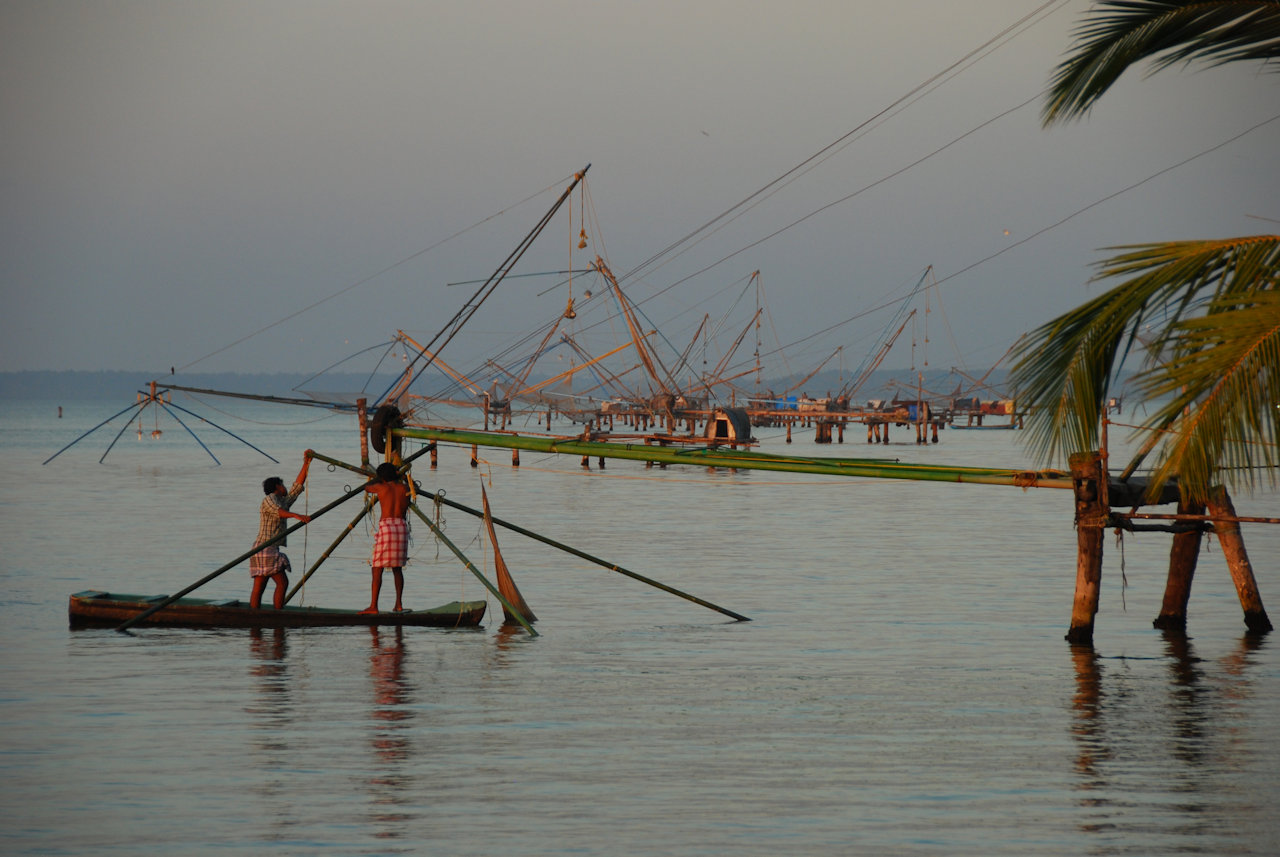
(1227, 526)
(1182, 568)
(1088, 477)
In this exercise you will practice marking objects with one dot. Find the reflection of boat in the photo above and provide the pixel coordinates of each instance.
(93, 608)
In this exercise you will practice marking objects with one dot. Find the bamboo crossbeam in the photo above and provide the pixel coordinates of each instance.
(337, 462)
(368, 506)
(134, 406)
(867, 468)
(1239, 519)
(440, 498)
(439, 534)
(129, 623)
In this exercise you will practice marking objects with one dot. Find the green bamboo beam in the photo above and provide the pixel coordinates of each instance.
(129, 623)
(866, 468)
(440, 498)
(471, 567)
(337, 462)
(368, 506)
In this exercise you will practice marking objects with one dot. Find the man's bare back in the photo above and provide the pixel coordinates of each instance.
(391, 544)
(393, 498)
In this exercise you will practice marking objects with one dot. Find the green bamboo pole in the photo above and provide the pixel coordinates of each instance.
(354, 468)
(746, 460)
(471, 567)
(440, 498)
(368, 505)
(129, 623)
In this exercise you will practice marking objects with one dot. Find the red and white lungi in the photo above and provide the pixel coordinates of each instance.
(391, 544)
(268, 561)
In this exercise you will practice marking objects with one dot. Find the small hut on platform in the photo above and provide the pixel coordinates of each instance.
(729, 426)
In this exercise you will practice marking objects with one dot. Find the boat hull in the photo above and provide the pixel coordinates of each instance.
(95, 609)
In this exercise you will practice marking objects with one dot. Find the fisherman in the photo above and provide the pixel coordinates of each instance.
(270, 562)
(391, 545)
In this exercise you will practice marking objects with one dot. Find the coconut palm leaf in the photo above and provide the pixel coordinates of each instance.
(1222, 386)
(1120, 33)
(1065, 369)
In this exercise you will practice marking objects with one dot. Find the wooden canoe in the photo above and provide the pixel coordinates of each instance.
(95, 609)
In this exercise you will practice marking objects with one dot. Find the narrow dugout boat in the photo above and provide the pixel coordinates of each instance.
(93, 608)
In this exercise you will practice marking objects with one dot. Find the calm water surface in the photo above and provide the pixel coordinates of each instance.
(903, 688)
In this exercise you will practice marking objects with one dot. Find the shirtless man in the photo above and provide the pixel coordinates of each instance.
(391, 545)
(270, 563)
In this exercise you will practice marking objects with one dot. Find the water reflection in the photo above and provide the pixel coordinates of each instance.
(268, 649)
(1159, 739)
(391, 787)
(272, 710)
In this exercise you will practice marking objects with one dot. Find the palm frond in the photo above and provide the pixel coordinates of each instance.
(1062, 374)
(1120, 33)
(1064, 370)
(1222, 385)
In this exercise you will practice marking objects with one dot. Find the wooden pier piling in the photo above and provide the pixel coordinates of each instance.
(362, 416)
(1088, 477)
(1182, 568)
(1227, 527)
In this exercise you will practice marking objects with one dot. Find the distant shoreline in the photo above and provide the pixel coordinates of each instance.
(123, 386)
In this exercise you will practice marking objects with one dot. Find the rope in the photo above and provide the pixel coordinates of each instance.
(1124, 580)
(369, 278)
(306, 532)
(245, 419)
(442, 524)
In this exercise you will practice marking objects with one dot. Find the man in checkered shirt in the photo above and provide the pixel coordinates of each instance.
(270, 563)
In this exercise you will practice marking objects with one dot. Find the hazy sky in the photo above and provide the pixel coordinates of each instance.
(179, 176)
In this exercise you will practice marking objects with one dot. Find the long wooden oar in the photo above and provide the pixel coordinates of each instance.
(505, 582)
(368, 506)
(440, 498)
(506, 605)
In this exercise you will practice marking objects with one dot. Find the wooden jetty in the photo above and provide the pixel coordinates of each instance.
(1097, 497)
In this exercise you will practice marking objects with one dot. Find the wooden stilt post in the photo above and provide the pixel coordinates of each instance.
(1223, 512)
(515, 458)
(434, 452)
(871, 431)
(1087, 474)
(475, 456)
(1182, 568)
(788, 431)
(363, 417)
